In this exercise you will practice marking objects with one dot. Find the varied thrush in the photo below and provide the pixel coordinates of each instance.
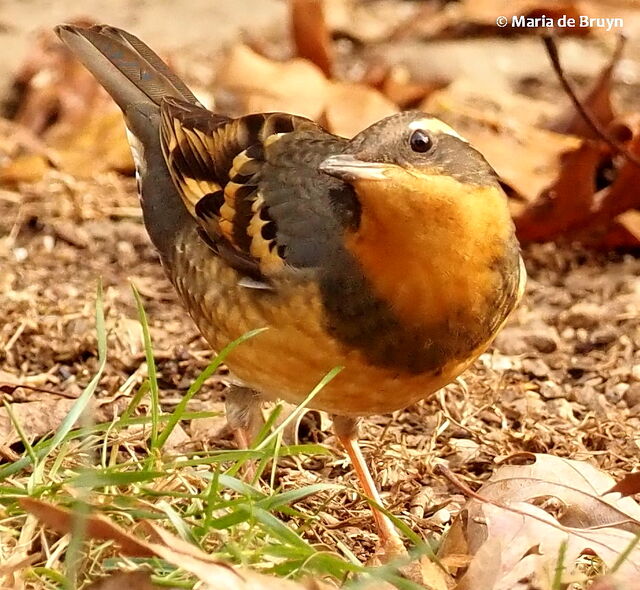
(392, 254)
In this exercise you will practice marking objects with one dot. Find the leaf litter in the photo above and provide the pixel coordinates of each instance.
(562, 378)
(526, 515)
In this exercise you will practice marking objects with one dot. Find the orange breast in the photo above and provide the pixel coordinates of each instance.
(435, 253)
(289, 359)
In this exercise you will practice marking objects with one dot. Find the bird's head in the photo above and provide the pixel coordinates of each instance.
(412, 160)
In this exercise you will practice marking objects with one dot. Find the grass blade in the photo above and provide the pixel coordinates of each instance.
(199, 382)
(294, 415)
(151, 369)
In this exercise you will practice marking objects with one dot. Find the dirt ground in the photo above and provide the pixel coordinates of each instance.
(563, 376)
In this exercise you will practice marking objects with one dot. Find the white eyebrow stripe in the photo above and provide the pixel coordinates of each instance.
(435, 126)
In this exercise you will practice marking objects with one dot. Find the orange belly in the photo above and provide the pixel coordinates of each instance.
(295, 352)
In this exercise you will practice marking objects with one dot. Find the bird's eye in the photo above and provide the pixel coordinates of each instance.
(420, 141)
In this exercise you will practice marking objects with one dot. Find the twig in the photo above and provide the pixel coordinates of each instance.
(9, 388)
(598, 129)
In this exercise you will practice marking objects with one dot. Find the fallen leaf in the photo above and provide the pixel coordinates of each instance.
(432, 576)
(97, 144)
(62, 103)
(35, 418)
(400, 89)
(521, 546)
(38, 418)
(97, 527)
(565, 205)
(623, 233)
(310, 33)
(350, 108)
(260, 84)
(621, 195)
(628, 485)
(579, 485)
(213, 573)
(519, 519)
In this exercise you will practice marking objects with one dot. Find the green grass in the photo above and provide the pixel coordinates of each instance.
(199, 496)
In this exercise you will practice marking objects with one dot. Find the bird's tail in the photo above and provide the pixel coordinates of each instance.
(128, 69)
(138, 80)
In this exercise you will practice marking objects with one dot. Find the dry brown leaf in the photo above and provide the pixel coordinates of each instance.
(622, 194)
(432, 576)
(84, 149)
(36, 418)
(97, 527)
(97, 144)
(400, 89)
(310, 33)
(350, 108)
(566, 203)
(610, 222)
(506, 525)
(87, 135)
(579, 485)
(526, 545)
(40, 417)
(623, 233)
(629, 484)
(259, 84)
(213, 573)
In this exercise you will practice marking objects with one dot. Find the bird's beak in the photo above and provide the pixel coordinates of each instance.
(350, 169)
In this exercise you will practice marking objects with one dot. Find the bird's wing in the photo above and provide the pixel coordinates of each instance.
(253, 185)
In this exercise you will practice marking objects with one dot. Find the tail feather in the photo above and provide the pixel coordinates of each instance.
(139, 81)
(129, 70)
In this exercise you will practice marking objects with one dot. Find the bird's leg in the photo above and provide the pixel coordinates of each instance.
(346, 430)
(242, 405)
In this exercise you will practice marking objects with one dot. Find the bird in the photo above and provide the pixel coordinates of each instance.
(391, 255)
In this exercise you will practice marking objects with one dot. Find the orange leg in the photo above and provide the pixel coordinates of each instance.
(346, 430)
(244, 418)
